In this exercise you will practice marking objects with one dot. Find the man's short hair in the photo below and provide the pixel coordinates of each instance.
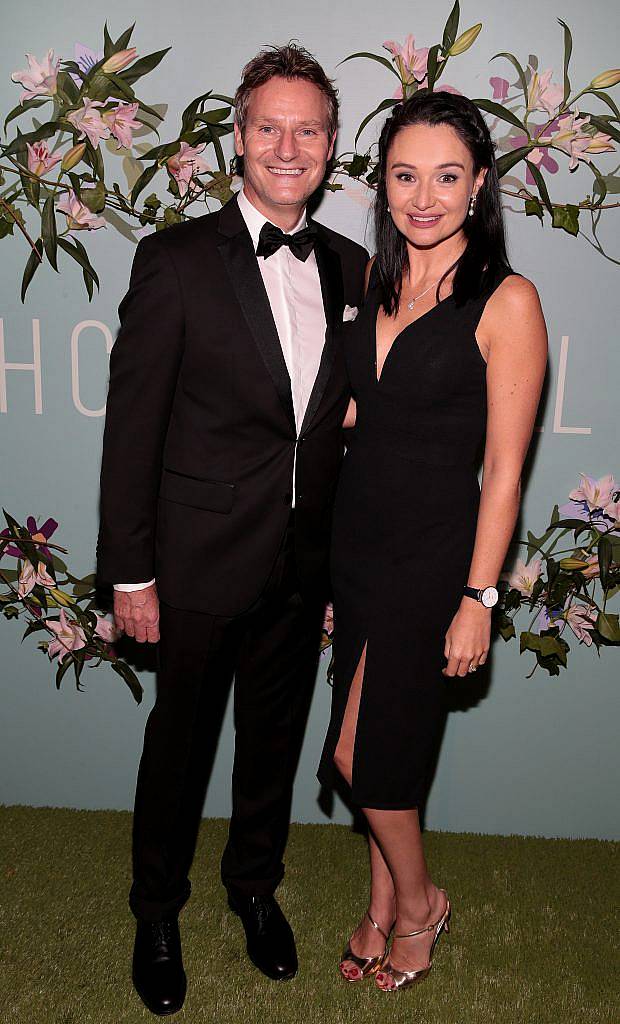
(290, 62)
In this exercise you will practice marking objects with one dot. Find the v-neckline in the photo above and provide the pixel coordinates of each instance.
(411, 323)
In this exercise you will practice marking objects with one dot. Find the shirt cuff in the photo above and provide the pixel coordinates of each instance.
(128, 588)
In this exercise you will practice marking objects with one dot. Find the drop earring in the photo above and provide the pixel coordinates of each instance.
(472, 203)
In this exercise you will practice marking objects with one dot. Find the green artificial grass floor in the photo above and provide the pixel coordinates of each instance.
(532, 938)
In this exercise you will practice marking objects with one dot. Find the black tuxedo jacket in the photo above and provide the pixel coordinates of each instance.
(200, 433)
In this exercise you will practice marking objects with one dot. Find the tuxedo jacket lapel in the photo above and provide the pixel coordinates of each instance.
(330, 273)
(238, 255)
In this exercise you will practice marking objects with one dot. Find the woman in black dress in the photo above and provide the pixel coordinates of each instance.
(446, 359)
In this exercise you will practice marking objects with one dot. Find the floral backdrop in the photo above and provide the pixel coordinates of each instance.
(61, 182)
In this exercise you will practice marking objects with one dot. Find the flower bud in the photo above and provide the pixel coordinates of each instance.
(119, 60)
(73, 156)
(570, 564)
(606, 79)
(465, 40)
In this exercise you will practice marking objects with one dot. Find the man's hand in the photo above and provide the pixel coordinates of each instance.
(137, 613)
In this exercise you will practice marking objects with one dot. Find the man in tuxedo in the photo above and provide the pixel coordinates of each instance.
(221, 452)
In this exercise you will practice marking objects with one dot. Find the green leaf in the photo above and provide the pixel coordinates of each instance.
(534, 208)
(542, 186)
(76, 250)
(371, 56)
(171, 216)
(34, 261)
(508, 160)
(108, 45)
(506, 627)
(48, 231)
(600, 186)
(605, 558)
(123, 670)
(21, 108)
(566, 217)
(502, 112)
(31, 187)
(220, 188)
(609, 627)
(143, 66)
(122, 43)
(10, 611)
(44, 131)
(518, 68)
(384, 105)
(62, 668)
(191, 110)
(604, 125)
(212, 116)
(432, 66)
(162, 153)
(604, 98)
(34, 627)
(568, 49)
(358, 165)
(143, 181)
(451, 28)
(94, 198)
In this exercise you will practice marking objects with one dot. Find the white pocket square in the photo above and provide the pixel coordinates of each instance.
(350, 313)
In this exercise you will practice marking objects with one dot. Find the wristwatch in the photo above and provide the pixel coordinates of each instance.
(487, 596)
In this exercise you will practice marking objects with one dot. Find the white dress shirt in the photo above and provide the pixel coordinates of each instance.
(294, 292)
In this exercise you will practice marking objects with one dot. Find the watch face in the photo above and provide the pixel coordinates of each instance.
(489, 597)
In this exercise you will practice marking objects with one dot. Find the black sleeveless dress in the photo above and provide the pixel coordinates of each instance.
(403, 536)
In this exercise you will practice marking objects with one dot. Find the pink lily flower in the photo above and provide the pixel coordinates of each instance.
(576, 143)
(40, 79)
(523, 577)
(40, 160)
(597, 493)
(410, 63)
(106, 629)
(89, 122)
(581, 621)
(30, 577)
(542, 94)
(185, 164)
(121, 122)
(79, 217)
(69, 636)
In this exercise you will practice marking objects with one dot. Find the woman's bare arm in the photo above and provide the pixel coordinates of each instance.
(513, 336)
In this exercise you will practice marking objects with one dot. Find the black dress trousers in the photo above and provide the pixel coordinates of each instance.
(273, 650)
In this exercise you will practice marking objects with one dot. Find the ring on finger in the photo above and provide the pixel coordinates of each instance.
(472, 668)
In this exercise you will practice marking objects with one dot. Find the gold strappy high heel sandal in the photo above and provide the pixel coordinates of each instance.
(366, 965)
(402, 979)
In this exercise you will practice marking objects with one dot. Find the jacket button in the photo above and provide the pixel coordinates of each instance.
(288, 498)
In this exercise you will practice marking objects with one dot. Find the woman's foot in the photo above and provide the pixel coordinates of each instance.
(413, 952)
(368, 941)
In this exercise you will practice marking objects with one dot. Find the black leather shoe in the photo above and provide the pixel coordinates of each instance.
(270, 940)
(158, 975)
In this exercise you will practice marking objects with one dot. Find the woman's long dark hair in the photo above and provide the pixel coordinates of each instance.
(485, 254)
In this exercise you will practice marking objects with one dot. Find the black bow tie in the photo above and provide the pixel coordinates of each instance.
(271, 238)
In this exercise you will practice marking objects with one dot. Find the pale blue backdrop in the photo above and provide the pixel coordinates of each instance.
(535, 756)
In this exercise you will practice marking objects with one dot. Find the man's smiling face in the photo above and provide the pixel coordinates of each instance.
(285, 147)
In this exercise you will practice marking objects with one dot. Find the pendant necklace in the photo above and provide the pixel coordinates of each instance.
(413, 301)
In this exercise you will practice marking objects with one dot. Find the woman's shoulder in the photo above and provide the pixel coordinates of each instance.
(514, 294)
